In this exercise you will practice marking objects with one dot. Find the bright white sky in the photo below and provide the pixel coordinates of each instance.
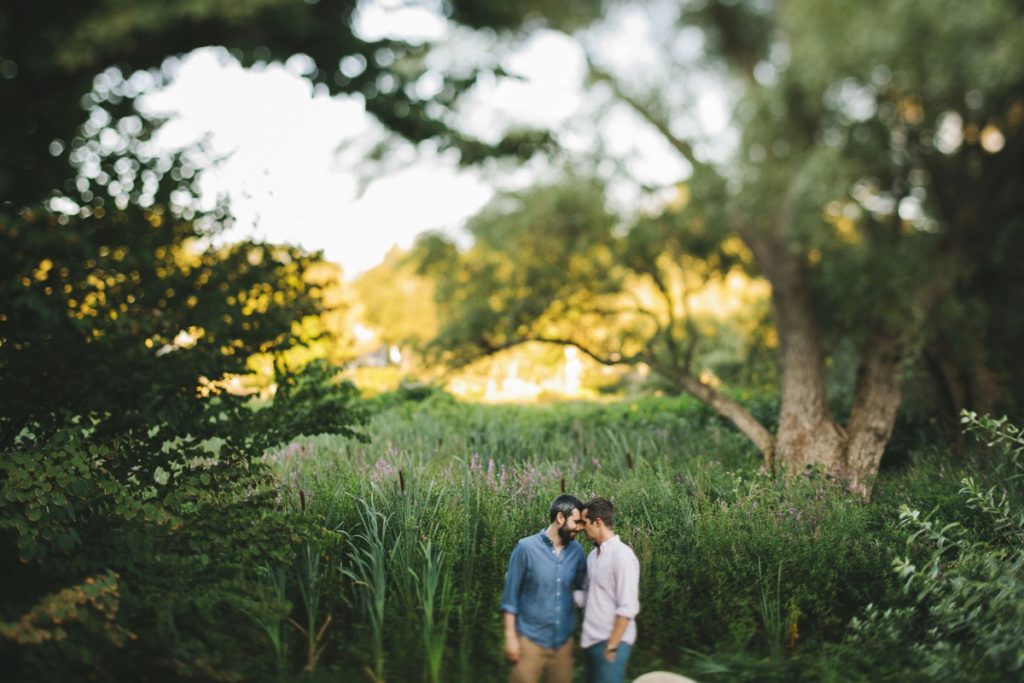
(292, 152)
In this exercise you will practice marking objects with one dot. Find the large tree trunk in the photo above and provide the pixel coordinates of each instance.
(963, 378)
(876, 402)
(808, 435)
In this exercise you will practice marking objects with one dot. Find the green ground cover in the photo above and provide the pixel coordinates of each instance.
(384, 559)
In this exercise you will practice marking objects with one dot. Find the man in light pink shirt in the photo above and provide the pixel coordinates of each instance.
(610, 596)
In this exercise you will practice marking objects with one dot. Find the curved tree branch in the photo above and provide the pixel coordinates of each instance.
(734, 412)
(682, 146)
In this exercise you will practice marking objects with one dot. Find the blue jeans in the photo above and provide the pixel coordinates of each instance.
(600, 670)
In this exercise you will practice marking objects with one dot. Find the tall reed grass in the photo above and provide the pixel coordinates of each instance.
(743, 576)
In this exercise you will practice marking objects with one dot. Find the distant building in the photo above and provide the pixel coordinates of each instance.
(506, 384)
(381, 357)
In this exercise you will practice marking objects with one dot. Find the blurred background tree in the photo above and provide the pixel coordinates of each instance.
(872, 187)
(124, 325)
(53, 55)
(396, 301)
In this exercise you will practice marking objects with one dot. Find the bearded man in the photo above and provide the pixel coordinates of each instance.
(537, 604)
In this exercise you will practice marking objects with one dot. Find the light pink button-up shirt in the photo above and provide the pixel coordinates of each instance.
(612, 589)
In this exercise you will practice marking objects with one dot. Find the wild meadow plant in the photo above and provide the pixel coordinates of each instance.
(421, 510)
(743, 576)
(310, 577)
(435, 593)
(274, 617)
(439, 428)
(962, 615)
(468, 602)
(771, 608)
(368, 570)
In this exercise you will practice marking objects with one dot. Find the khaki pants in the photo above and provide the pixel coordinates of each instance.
(535, 660)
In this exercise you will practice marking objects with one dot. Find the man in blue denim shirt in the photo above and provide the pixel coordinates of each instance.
(537, 603)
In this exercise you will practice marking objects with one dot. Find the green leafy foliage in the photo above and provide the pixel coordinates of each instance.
(52, 55)
(125, 459)
(963, 613)
(535, 255)
(58, 489)
(396, 302)
(118, 334)
(77, 627)
(744, 577)
(91, 605)
(122, 447)
(553, 264)
(313, 401)
(870, 184)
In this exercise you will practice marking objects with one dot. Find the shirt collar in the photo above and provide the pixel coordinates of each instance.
(607, 544)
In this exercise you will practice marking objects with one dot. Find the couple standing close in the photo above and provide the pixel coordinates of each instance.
(549, 576)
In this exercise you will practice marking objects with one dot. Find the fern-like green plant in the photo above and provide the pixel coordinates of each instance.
(965, 615)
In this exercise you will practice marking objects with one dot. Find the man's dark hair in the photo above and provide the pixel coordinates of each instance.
(565, 504)
(602, 509)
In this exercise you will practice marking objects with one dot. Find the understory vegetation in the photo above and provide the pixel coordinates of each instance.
(383, 559)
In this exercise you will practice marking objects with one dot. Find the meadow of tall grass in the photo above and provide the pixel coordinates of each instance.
(382, 558)
(743, 576)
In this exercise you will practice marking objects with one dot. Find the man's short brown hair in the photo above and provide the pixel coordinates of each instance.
(602, 509)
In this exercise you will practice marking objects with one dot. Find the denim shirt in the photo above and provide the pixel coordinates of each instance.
(538, 589)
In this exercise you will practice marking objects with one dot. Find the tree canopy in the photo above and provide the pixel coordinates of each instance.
(873, 188)
(54, 55)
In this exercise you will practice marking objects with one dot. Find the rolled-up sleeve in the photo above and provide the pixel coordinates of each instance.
(627, 584)
(513, 580)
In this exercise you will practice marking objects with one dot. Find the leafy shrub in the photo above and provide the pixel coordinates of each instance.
(407, 392)
(187, 537)
(79, 624)
(964, 613)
